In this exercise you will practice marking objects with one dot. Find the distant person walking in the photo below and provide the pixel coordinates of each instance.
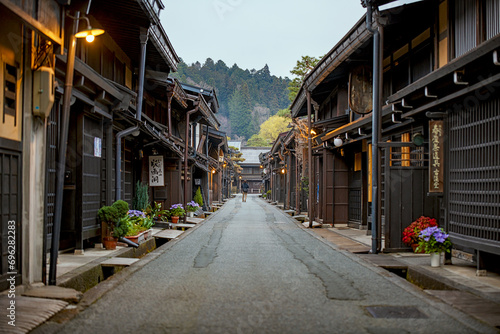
(244, 189)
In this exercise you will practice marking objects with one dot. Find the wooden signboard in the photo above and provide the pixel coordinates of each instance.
(156, 171)
(436, 153)
(360, 90)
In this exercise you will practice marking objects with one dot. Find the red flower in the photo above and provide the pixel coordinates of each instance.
(412, 232)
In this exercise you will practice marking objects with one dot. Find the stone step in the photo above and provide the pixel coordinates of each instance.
(54, 292)
(168, 234)
(119, 261)
(300, 218)
(314, 224)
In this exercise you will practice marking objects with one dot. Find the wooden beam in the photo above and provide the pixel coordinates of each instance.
(31, 22)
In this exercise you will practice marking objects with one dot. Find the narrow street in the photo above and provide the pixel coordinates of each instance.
(250, 269)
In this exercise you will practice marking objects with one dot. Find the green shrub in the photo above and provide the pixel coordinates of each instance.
(108, 214)
(121, 207)
(122, 227)
(141, 199)
(198, 198)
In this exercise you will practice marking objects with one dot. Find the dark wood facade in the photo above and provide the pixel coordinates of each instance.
(440, 64)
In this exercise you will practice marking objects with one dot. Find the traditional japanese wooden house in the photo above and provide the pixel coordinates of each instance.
(120, 115)
(217, 153)
(30, 37)
(251, 168)
(438, 148)
(200, 118)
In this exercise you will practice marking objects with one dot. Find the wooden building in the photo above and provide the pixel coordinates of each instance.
(30, 37)
(438, 143)
(118, 110)
(251, 168)
(127, 122)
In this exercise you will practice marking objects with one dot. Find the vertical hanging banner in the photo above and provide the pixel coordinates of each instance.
(97, 147)
(436, 153)
(156, 171)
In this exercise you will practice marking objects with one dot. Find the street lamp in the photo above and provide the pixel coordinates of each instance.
(89, 33)
(61, 161)
(337, 142)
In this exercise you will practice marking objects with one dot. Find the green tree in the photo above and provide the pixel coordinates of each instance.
(270, 129)
(264, 89)
(301, 69)
(257, 141)
(198, 198)
(240, 111)
(235, 156)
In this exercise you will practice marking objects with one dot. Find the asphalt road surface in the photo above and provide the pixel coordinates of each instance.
(250, 269)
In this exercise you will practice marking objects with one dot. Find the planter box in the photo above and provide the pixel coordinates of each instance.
(141, 237)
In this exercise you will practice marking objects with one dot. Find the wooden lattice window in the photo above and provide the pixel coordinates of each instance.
(10, 92)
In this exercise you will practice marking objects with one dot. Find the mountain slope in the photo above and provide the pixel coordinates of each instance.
(246, 97)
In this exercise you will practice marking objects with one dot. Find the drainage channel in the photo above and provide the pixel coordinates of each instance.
(91, 274)
(418, 277)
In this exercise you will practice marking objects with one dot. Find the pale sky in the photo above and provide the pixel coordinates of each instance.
(252, 33)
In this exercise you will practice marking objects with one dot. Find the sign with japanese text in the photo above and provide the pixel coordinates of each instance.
(156, 171)
(436, 154)
(97, 147)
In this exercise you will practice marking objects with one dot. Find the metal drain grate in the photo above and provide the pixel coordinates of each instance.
(402, 312)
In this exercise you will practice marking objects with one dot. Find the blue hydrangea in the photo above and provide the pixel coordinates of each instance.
(435, 232)
(136, 213)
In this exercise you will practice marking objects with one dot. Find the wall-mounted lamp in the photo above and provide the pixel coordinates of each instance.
(313, 132)
(261, 166)
(213, 171)
(225, 165)
(136, 133)
(89, 33)
(338, 142)
(283, 170)
(239, 177)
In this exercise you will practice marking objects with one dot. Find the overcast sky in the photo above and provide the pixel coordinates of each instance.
(252, 33)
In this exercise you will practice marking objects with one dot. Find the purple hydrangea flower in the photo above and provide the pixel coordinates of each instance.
(136, 213)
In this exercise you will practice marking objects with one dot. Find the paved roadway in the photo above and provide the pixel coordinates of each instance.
(250, 269)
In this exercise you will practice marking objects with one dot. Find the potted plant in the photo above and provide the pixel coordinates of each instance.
(109, 216)
(155, 212)
(176, 211)
(191, 207)
(140, 224)
(122, 227)
(411, 234)
(434, 241)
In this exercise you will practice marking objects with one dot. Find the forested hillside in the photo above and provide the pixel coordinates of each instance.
(247, 98)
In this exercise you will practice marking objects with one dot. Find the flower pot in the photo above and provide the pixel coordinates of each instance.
(435, 259)
(135, 238)
(174, 219)
(190, 214)
(109, 242)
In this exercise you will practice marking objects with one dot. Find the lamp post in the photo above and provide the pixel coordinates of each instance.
(61, 160)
